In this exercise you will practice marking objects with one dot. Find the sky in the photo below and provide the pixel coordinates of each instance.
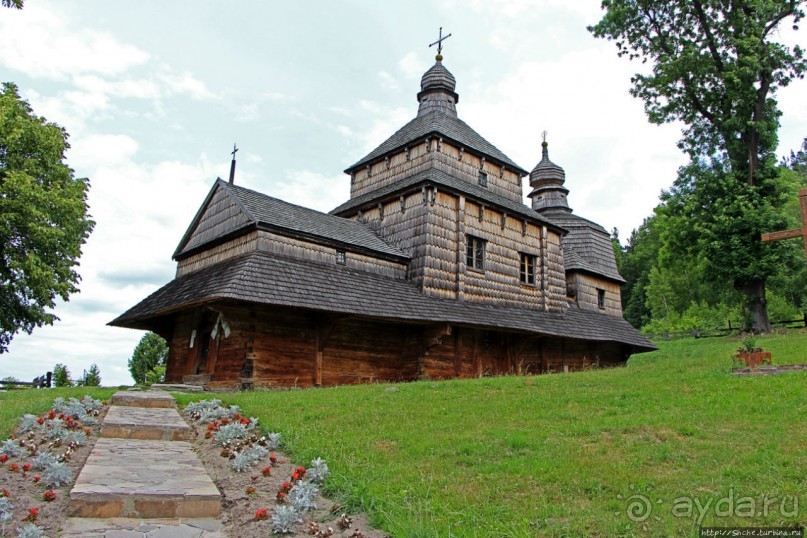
(154, 96)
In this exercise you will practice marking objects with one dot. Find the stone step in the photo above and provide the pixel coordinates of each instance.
(156, 423)
(81, 527)
(148, 398)
(178, 387)
(196, 379)
(143, 479)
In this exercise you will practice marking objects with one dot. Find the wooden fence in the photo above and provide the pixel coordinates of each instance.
(709, 333)
(41, 382)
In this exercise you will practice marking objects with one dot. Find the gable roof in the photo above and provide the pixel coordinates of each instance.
(441, 178)
(447, 126)
(266, 279)
(245, 209)
(587, 246)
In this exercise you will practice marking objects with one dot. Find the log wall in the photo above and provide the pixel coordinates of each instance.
(585, 287)
(295, 348)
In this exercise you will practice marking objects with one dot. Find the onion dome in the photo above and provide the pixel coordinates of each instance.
(547, 179)
(437, 90)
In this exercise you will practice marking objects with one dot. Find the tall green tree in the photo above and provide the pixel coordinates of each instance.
(149, 354)
(43, 218)
(715, 65)
(61, 376)
(93, 376)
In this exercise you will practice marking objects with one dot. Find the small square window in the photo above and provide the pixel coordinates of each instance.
(601, 298)
(341, 257)
(475, 253)
(527, 275)
(483, 178)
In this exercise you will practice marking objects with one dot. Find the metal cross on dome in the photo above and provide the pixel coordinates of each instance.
(439, 42)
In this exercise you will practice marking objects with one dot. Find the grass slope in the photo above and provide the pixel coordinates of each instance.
(563, 455)
(557, 455)
(15, 403)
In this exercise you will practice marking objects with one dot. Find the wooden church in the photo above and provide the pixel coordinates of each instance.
(433, 269)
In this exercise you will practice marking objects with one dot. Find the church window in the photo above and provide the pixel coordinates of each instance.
(341, 257)
(483, 178)
(475, 253)
(527, 269)
(601, 298)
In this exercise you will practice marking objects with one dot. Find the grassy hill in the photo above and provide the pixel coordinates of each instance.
(563, 454)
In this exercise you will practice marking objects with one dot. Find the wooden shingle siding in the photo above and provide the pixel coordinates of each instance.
(380, 176)
(295, 248)
(586, 286)
(405, 229)
(556, 277)
(218, 253)
(221, 217)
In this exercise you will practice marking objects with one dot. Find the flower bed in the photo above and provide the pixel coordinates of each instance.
(263, 492)
(40, 462)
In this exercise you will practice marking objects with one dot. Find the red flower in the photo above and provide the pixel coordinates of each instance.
(298, 474)
(267, 471)
(285, 487)
(281, 497)
(261, 513)
(33, 513)
(3, 458)
(26, 467)
(273, 460)
(254, 478)
(37, 478)
(250, 490)
(13, 467)
(40, 420)
(51, 414)
(49, 495)
(4, 493)
(245, 421)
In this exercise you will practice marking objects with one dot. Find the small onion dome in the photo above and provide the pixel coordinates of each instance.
(546, 169)
(438, 78)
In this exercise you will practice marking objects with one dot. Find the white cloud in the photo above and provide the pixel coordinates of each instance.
(39, 42)
(313, 189)
(186, 84)
(387, 81)
(411, 65)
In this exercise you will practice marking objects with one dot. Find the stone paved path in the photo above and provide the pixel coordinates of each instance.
(141, 478)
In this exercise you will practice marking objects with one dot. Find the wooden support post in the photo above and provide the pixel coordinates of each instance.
(797, 232)
(457, 352)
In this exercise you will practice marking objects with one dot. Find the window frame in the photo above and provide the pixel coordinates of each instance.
(341, 257)
(475, 248)
(483, 179)
(601, 298)
(528, 265)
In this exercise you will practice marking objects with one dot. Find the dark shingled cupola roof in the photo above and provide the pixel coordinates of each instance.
(587, 245)
(546, 180)
(437, 115)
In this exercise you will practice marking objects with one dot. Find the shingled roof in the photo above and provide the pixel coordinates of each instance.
(438, 177)
(257, 210)
(587, 246)
(441, 124)
(266, 279)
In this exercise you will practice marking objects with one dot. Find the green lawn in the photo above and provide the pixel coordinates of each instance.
(563, 454)
(14, 404)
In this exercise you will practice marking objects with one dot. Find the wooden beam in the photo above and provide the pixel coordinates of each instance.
(798, 232)
(457, 353)
(778, 236)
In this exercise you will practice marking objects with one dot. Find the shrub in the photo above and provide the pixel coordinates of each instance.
(284, 518)
(303, 496)
(11, 448)
(56, 474)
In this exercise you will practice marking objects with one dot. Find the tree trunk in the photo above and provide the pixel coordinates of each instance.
(757, 306)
